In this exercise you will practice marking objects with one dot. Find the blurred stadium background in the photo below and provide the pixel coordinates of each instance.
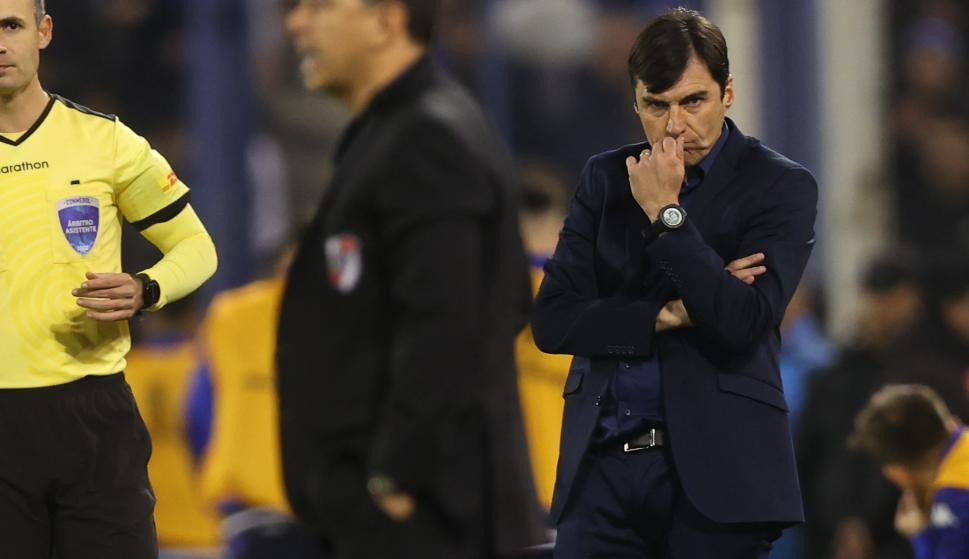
(869, 94)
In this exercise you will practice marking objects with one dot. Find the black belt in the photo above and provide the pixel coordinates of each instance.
(650, 438)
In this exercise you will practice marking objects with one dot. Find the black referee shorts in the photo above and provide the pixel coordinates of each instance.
(73, 473)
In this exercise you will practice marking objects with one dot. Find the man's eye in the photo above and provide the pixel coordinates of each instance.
(11, 25)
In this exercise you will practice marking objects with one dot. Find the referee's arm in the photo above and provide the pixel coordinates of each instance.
(189, 258)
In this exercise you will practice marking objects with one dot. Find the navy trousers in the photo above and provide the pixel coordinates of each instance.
(631, 505)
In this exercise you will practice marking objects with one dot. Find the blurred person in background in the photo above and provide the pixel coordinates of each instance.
(160, 371)
(399, 409)
(72, 422)
(930, 116)
(935, 351)
(924, 450)
(541, 375)
(565, 56)
(676, 441)
(236, 413)
(848, 506)
(804, 349)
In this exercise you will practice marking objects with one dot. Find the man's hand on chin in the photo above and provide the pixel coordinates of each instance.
(656, 179)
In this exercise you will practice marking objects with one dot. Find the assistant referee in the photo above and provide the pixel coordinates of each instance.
(73, 447)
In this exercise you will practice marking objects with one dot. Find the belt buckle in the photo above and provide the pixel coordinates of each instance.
(652, 442)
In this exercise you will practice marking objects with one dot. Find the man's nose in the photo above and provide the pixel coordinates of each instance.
(675, 125)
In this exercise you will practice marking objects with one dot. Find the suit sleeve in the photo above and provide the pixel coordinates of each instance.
(570, 317)
(432, 212)
(782, 227)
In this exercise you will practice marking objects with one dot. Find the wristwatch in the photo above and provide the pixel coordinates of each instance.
(670, 218)
(150, 292)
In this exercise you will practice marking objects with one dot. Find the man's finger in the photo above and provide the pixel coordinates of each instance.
(630, 163)
(679, 147)
(106, 304)
(121, 292)
(746, 261)
(111, 316)
(669, 145)
(753, 271)
(106, 281)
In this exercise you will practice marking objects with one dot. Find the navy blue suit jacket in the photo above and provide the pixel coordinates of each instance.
(605, 284)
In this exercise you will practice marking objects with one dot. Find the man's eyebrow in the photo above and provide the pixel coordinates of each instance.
(13, 19)
(701, 94)
(650, 99)
(695, 95)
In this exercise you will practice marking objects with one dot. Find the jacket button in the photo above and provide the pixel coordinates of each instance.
(598, 401)
(628, 412)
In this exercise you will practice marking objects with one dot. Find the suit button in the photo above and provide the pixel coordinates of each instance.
(625, 365)
(598, 401)
(628, 412)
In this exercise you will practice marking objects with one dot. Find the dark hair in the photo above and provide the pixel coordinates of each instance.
(901, 424)
(663, 48)
(422, 18)
(39, 10)
(890, 270)
(542, 189)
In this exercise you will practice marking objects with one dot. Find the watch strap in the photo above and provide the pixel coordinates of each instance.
(150, 292)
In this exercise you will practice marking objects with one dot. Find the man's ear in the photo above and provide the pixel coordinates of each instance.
(728, 92)
(46, 31)
(392, 19)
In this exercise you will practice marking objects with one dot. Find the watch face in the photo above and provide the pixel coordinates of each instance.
(673, 217)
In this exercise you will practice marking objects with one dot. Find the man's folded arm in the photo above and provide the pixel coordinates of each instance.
(569, 315)
(739, 314)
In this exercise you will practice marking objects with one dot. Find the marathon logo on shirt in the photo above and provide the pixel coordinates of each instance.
(79, 217)
(25, 166)
(344, 262)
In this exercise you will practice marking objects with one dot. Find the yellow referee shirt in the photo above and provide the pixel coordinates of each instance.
(65, 185)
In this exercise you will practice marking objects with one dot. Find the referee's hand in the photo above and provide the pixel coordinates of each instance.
(110, 297)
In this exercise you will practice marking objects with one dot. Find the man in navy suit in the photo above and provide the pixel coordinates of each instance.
(675, 441)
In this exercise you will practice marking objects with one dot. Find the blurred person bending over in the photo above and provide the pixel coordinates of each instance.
(676, 441)
(924, 450)
(73, 448)
(400, 418)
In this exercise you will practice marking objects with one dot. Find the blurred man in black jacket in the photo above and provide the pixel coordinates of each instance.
(395, 345)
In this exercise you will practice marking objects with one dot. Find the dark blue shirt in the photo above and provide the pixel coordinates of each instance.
(634, 398)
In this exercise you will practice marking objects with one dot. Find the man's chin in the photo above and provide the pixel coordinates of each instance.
(692, 158)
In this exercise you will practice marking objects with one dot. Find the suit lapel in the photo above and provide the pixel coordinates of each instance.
(722, 173)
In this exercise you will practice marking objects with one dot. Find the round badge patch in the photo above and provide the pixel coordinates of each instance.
(344, 261)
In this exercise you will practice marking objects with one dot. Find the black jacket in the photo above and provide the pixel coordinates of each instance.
(395, 345)
(607, 281)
